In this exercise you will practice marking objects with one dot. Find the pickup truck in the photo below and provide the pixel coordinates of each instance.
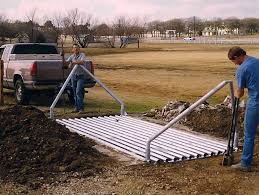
(36, 67)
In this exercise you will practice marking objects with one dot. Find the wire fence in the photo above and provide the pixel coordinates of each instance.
(201, 40)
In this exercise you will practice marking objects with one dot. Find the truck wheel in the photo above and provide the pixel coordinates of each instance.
(21, 95)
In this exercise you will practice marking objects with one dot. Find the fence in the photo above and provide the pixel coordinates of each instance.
(203, 40)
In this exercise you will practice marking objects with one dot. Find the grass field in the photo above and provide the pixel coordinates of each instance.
(157, 73)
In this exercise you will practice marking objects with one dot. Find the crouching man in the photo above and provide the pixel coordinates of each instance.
(247, 77)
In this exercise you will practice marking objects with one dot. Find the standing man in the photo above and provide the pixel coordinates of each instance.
(77, 58)
(247, 77)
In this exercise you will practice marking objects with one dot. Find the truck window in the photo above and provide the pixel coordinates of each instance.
(34, 49)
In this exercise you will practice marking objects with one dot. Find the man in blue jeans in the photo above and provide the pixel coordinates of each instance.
(78, 78)
(247, 77)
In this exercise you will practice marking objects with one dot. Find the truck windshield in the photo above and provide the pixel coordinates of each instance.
(34, 49)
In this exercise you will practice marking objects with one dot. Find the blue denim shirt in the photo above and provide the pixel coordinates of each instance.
(248, 77)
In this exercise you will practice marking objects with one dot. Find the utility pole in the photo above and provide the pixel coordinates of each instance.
(194, 29)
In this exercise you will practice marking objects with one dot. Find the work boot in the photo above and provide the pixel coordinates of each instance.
(75, 110)
(241, 167)
(81, 112)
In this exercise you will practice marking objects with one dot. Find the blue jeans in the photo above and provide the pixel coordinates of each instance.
(79, 92)
(251, 122)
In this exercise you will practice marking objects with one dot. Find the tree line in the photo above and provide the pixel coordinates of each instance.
(84, 29)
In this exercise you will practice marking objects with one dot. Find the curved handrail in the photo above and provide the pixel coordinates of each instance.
(188, 110)
(122, 111)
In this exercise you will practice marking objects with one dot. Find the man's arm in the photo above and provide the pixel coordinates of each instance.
(66, 62)
(239, 92)
(81, 60)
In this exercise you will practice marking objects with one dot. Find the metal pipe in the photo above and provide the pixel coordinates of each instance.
(108, 90)
(103, 141)
(183, 114)
(122, 111)
(51, 114)
(233, 105)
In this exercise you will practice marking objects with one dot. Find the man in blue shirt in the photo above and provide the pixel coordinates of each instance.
(247, 77)
(77, 58)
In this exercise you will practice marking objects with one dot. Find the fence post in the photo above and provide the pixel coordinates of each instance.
(1, 82)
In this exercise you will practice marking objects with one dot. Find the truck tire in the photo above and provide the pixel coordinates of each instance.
(21, 94)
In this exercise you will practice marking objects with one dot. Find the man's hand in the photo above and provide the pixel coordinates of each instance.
(62, 53)
(78, 62)
(239, 92)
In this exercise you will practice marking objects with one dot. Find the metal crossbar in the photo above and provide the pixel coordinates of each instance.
(188, 110)
(118, 100)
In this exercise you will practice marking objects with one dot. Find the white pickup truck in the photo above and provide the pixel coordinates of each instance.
(30, 67)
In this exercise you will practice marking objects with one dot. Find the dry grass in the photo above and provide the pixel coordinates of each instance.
(157, 73)
(151, 78)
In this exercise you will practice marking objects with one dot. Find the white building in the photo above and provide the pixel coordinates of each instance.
(210, 31)
(156, 33)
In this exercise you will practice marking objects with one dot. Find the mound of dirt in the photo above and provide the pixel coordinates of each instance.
(215, 120)
(35, 149)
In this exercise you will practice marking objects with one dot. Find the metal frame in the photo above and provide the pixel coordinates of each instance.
(122, 111)
(191, 108)
(129, 135)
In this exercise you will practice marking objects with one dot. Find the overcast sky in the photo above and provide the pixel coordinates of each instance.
(106, 10)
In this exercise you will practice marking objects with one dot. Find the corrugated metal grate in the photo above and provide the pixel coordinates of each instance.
(130, 135)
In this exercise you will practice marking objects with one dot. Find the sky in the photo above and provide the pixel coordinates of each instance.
(108, 10)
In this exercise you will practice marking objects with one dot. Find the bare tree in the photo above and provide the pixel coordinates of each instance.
(79, 25)
(105, 34)
(232, 23)
(7, 29)
(250, 25)
(53, 27)
(31, 24)
(178, 25)
(127, 29)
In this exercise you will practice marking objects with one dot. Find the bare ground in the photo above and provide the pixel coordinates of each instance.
(124, 175)
(205, 176)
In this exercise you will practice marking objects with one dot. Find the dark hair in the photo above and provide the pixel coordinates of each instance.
(235, 52)
(75, 44)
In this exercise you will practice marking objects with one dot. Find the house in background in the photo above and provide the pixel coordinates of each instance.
(212, 31)
(157, 33)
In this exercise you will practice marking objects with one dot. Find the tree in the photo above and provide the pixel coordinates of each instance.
(7, 30)
(105, 34)
(31, 25)
(126, 28)
(52, 32)
(79, 26)
(250, 25)
(232, 23)
(178, 25)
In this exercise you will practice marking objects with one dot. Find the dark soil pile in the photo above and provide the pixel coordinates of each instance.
(215, 120)
(35, 149)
